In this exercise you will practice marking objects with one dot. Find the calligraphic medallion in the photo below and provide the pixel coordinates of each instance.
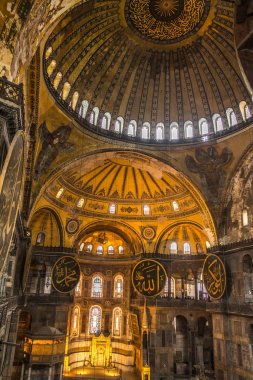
(214, 276)
(65, 274)
(149, 277)
(11, 186)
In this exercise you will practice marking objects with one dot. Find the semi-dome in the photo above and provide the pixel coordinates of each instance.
(153, 71)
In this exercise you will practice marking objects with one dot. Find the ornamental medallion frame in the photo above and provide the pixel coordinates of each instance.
(75, 264)
(208, 275)
(139, 281)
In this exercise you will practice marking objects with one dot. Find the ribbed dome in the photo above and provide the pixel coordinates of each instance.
(166, 68)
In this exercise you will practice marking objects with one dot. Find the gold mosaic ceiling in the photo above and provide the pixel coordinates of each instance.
(146, 61)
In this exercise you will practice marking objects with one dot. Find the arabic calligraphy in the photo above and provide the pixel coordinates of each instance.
(214, 276)
(65, 274)
(149, 277)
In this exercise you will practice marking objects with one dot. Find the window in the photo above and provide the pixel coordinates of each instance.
(40, 238)
(119, 125)
(132, 128)
(187, 248)
(208, 245)
(106, 121)
(60, 192)
(118, 286)
(80, 203)
(203, 127)
(112, 208)
(245, 218)
(146, 210)
(159, 131)
(165, 291)
(81, 247)
(174, 131)
(175, 206)
(75, 321)
(245, 111)
(121, 250)
(97, 287)
(188, 130)
(117, 317)
(57, 80)
(100, 250)
(51, 67)
(95, 320)
(83, 109)
(110, 250)
(217, 122)
(74, 100)
(94, 116)
(173, 248)
(65, 90)
(49, 52)
(89, 248)
(145, 131)
(78, 288)
(231, 117)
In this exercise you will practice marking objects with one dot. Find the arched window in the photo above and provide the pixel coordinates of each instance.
(78, 288)
(174, 135)
(51, 67)
(117, 319)
(40, 238)
(245, 111)
(121, 250)
(119, 125)
(203, 127)
(106, 121)
(97, 287)
(160, 131)
(110, 250)
(145, 131)
(132, 128)
(100, 250)
(49, 52)
(217, 122)
(59, 193)
(112, 208)
(94, 116)
(231, 117)
(95, 320)
(175, 206)
(165, 291)
(89, 248)
(80, 203)
(81, 247)
(173, 248)
(118, 287)
(83, 109)
(188, 129)
(57, 80)
(75, 321)
(74, 100)
(65, 90)
(245, 218)
(187, 248)
(146, 210)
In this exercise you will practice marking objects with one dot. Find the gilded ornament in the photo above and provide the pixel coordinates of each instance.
(214, 276)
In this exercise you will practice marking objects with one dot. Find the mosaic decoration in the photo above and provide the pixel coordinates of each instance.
(10, 194)
(65, 274)
(214, 276)
(167, 20)
(72, 226)
(148, 233)
(149, 277)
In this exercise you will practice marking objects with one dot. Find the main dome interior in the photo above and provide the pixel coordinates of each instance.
(183, 83)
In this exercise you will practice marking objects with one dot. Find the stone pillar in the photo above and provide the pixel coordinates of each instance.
(29, 373)
(182, 288)
(61, 371)
(50, 373)
(196, 288)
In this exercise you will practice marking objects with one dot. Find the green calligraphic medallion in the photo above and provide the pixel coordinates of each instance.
(11, 186)
(149, 277)
(214, 276)
(65, 274)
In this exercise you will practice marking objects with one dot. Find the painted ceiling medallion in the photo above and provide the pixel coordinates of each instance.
(167, 20)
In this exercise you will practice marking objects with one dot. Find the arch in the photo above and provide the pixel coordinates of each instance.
(94, 116)
(51, 67)
(106, 121)
(118, 286)
(74, 100)
(119, 124)
(117, 321)
(132, 126)
(159, 133)
(174, 131)
(245, 111)
(188, 129)
(83, 109)
(65, 90)
(75, 321)
(95, 316)
(217, 122)
(231, 117)
(145, 131)
(57, 80)
(97, 286)
(247, 264)
(203, 127)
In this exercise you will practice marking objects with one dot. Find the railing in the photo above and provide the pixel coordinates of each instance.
(247, 243)
(11, 91)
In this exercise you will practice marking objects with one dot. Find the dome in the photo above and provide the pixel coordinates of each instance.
(152, 71)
